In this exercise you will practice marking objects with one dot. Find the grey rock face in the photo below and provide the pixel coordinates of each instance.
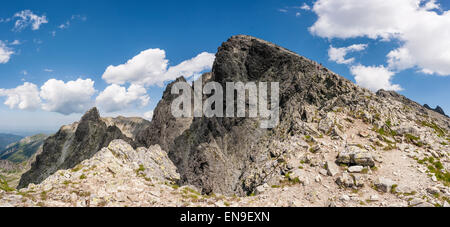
(230, 155)
(153, 163)
(71, 145)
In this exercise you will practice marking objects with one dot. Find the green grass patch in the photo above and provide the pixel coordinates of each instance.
(4, 185)
(440, 132)
(44, 195)
(437, 168)
(77, 168)
(394, 189)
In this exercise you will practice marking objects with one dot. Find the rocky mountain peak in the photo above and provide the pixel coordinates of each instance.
(74, 144)
(438, 109)
(91, 115)
(164, 128)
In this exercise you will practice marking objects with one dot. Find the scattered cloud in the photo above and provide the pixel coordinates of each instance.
(27, 18)
(54, 96)
(283, 10)
(5, 53)
(305, 7)
(338, 54)
(38, 41)
(192, 67)
(24, 97)
(116, 98)
(374, 78)
(150, 67)
(430, 5)
(15, 42)
(3, 20)
(65, 25)
(72, 18)
(67, 98)
(422, 32)
(78, 17)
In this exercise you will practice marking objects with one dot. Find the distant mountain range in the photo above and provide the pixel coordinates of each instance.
(24, 149)
(7, 139)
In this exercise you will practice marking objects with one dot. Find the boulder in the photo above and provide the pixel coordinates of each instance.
(332, 168)
(384, 184)
(355, 156)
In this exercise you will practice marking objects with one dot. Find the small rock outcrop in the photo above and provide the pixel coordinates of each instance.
(71, 145)
(354, 156)
(151, 163)
(438, 109)
(6, 165)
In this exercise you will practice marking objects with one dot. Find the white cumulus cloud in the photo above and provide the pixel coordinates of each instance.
(150, 67)
(24, 97)
(67, 98)
(305, 7)
(148, 115)
(374, 78)
(5, 53)
(28, 18)
(192, 67)
(338, 54)
(115, 98)
(423, 33)
(147, 67)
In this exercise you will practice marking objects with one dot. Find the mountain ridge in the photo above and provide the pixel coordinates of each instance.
(76, 142)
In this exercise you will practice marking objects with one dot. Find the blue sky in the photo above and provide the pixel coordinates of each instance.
(78, 40)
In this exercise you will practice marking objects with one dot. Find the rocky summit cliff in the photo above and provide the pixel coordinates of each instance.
(336, 145)
(75, 143)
